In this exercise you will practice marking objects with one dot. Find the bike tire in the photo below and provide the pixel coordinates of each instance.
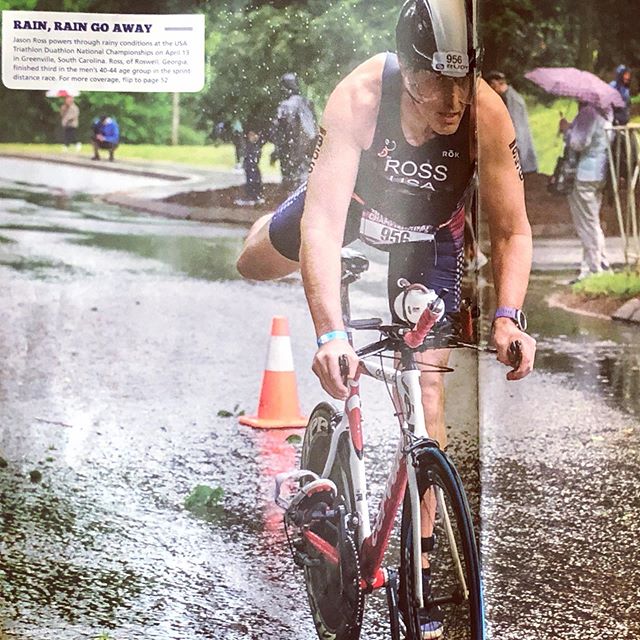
(462, 618)
(337, 608)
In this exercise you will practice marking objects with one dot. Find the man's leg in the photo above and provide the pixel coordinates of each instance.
(287, 170)
(96, 153)
(259, 259)
(252, 173)
(584, 202)
(432, 387)
(272, 247)
(437, 270)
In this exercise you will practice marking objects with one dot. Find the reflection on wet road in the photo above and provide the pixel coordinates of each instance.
(73, 178)
(123, 337)
(560, 482)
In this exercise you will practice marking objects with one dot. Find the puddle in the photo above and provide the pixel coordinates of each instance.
(40, 269)
(597, 355)
(208, 259)
(602, 356)
(71, 178)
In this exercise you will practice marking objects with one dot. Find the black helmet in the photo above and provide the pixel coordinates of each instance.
(437, 35)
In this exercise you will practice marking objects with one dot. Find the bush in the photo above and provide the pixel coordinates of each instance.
(191, 137)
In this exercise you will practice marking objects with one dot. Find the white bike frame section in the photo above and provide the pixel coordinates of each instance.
(407, 384)
(408, 393)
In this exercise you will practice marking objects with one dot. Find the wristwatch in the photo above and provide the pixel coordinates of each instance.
(517, 315)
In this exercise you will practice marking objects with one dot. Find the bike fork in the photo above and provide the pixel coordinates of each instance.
(416, 533)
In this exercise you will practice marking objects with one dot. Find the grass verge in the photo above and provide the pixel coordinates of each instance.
(212, 156)
(623, 285)
(543, 122)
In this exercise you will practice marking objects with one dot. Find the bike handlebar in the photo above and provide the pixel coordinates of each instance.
(417, 335)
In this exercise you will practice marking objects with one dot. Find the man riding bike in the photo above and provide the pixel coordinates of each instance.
(395, 165)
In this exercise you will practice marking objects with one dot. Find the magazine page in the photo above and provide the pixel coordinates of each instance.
(320, 320)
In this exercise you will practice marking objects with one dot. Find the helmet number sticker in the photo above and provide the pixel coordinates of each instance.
(451, 63)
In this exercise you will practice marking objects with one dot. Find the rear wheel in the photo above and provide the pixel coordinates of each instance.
(335, 596)
(454, 599)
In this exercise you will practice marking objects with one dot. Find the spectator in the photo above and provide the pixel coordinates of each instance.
(586, 137)
(518, 112)
(106, 135)
(69, 118)
(218, 132)
(238, 140)
(294, 132)
(252, 145)
(622, 115)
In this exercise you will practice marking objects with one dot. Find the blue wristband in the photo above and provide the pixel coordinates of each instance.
(332, 335)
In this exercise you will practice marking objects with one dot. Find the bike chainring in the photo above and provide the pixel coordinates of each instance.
(338, 594)
(351, 574)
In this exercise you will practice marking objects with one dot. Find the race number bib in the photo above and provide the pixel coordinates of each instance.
(376, 229)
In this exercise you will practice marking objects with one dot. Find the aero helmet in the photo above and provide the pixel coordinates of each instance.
(437, 35)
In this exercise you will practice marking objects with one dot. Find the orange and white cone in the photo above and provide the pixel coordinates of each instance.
(278, 407)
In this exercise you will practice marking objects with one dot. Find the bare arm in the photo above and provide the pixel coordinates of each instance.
(347, 126)
(502, 201)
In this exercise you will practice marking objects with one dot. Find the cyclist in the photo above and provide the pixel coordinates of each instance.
(394, 165)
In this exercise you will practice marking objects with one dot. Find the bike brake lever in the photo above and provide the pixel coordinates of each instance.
(343, 363)
(515, 354)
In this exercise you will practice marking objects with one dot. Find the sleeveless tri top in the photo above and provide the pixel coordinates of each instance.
(413, 186)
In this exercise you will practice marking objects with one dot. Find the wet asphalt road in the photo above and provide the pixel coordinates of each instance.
(122, 339)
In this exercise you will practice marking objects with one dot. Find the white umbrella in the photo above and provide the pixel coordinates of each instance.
(62, 93)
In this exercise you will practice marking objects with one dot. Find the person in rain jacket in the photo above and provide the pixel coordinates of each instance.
(518, 111)
(621, 84)
(586, 137)
(293, 133)
(106, 135)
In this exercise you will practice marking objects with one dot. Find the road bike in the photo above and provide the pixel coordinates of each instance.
(327, 517)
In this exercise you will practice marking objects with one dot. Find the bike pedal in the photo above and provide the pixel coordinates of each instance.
(314, 488)
(286, 478)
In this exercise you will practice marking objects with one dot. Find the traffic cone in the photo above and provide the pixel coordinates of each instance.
(278, 407)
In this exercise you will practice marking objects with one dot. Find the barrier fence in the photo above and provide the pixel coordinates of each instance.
(624, 166)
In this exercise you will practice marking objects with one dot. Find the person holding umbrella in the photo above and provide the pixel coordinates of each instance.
(586, 138)
(69, 116)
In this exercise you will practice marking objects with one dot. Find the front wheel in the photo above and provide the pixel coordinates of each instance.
(453, 605)
(335, 596)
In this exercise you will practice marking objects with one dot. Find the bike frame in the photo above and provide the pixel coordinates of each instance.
(373, 541)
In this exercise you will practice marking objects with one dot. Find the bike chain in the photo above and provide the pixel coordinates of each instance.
(354, 568)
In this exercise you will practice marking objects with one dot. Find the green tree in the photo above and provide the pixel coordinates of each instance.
(251, 48)
(519, 35)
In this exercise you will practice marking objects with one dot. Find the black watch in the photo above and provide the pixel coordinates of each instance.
(517, 315)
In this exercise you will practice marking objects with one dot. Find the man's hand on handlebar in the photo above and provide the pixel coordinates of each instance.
(326, 365)
(506, 333)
